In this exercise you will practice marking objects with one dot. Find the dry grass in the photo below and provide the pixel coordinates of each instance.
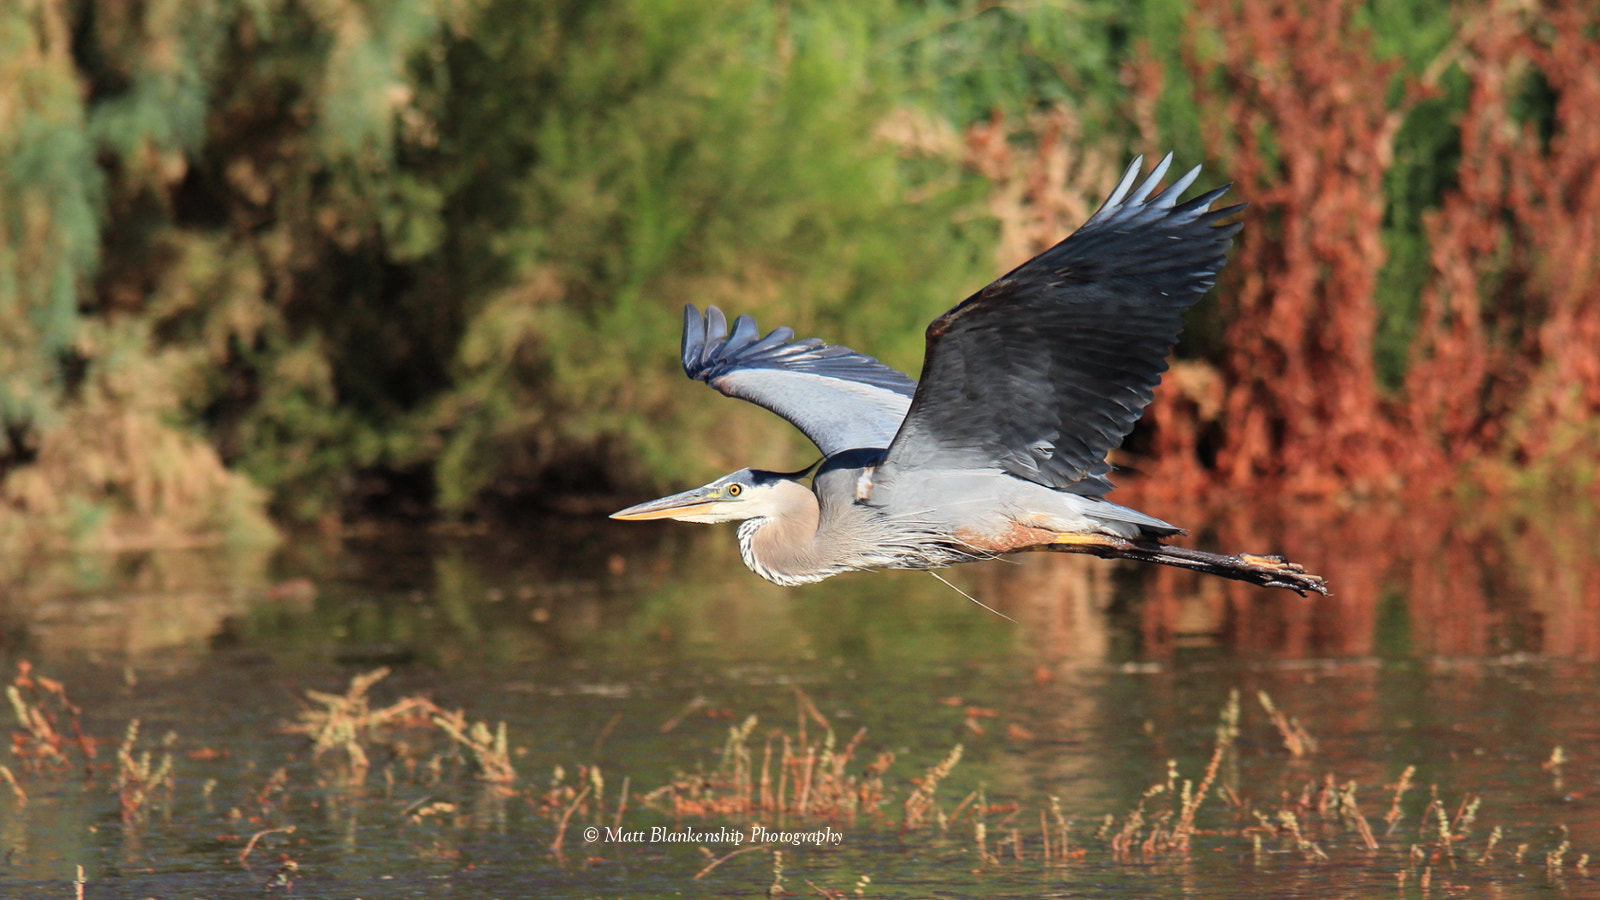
(49, 724)
(350, 723)
(799, 775)
(806, 778)
(140, 777)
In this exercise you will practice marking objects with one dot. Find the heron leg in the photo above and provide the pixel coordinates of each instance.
(1266, 571)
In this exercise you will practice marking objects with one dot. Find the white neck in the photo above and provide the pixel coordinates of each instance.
(782, 548)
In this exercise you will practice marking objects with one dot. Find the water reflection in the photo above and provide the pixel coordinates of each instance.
(1456, 643)
(133, 604)
(1408, 581)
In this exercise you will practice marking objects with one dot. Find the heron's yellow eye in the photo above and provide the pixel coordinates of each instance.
(735, 490)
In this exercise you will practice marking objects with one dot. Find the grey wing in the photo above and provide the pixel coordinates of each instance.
(840, 399)
(1044, 371)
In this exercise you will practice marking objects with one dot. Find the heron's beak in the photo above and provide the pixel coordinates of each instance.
(687, 505)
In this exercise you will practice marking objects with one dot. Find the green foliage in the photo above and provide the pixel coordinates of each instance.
(1427, 149)
(227, 137)
(417, 237)
(50, 193)
(355, 245)
(675, 153)
(973, 60)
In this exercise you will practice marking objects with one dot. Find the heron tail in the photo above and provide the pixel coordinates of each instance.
(1266, 571)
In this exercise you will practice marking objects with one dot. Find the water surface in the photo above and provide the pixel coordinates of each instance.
(627, 655)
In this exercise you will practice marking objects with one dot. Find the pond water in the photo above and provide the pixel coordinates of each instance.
(891, 738)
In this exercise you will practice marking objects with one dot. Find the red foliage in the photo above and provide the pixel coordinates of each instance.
(1505, 370)
(1298, 126)
(1504, 358)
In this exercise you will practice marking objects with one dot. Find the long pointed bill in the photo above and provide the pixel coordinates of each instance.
(686, 505)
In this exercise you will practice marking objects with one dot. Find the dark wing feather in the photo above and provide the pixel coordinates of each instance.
(1045, 370)
(837, 397)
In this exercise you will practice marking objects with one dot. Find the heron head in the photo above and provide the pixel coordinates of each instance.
(745, 494)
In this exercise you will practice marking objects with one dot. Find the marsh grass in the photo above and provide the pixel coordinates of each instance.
(1282, 817)
(808, 776)
(50, 724)
(1296, 739)
(142, 777)
(1260, 805)
(349, 722)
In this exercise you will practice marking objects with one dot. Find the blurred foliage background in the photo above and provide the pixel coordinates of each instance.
(267, 261)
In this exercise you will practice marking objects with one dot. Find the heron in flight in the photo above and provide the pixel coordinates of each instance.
(1001, 447)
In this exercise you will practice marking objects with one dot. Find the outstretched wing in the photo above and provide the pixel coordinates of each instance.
(1045, 370)
(837, 397)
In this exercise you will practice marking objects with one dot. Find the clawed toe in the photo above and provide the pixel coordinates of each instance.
(1279, 572)
(1270, 561)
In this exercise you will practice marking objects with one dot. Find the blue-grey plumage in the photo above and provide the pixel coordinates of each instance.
(837, 397)
(1001, 446)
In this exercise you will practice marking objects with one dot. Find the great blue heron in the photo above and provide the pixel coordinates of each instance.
(1026, 385)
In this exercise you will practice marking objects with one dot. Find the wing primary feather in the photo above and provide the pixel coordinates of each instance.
(1115, 200)
(744, 333)
(777, 338)
(839, 398)
(1046, 369)
(1150, 183)
(694, 338)
(1170, 196)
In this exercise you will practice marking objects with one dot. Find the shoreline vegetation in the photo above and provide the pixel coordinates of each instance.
(271, 264)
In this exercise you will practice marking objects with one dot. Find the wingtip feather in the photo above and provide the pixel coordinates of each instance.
(693, 347)
(745, 332)
(716, 325)
(1150, 182)
(1123, 186)
(1169, 197)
